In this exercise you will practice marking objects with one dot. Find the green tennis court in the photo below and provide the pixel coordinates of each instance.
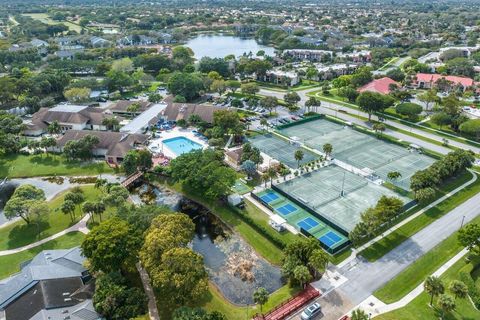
(361, 150)
(281, 149)
(300, 218)
(338, 195)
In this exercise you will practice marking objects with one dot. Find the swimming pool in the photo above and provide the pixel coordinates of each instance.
(181, 145)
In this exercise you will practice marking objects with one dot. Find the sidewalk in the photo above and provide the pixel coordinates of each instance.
(405, 221)
(375, 307)
(80, 226)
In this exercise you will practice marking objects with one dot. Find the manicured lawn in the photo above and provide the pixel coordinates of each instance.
(394, 239)
(22, 166)
(417, 272)
(20, 234)
(419, 308)
(214, 301)
(45, 18)
(10, 264)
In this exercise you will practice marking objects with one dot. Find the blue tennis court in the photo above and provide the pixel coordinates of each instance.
(307, 223)
(286, 209)
(330, 239)
(269, 197)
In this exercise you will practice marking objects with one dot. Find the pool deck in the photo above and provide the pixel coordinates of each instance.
(156, 146)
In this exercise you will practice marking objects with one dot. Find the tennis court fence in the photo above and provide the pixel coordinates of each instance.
(324, 246)
(311, 211)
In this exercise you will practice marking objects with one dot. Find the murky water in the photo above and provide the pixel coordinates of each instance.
(232, 264)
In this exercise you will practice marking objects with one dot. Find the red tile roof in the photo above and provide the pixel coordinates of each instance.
(381, 85)
(432, 78)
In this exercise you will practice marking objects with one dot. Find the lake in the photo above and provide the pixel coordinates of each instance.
(220, 46)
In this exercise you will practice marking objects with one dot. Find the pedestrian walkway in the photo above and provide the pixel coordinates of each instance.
(375, 307)
(152, 301)
(407, 220)
(80, 226)
(287, 307)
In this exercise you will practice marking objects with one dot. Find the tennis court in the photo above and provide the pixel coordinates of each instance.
(299, 217)
(361, 150)
(336, 194)
(280, 149)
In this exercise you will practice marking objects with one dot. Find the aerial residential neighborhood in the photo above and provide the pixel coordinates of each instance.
(257, 159)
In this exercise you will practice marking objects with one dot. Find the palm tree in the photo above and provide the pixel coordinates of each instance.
(260, 296)
(318, 261)
(272, 174)
(394, 175)
(359, 314)
(264, 123)
(434, 287)
(265, 178)
(68, 207)
(54, 128)
(458, 288)
(446, 303)
(327, 149)
(298, 156)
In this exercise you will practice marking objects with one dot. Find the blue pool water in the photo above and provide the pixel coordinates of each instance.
(181, 145)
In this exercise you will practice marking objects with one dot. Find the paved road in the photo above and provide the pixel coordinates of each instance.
(336, 106)
(392, 66)
(365, 277)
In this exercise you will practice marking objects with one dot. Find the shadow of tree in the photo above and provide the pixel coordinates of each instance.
(25, 234)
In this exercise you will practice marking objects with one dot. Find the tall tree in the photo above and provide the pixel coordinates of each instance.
(446, 304)
(111, 246)
(260, 296)
(327, 149)
(298, 156)
(458, 289)
(434, 287)
(21, 202)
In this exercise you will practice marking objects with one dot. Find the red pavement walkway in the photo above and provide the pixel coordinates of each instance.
(290, 305)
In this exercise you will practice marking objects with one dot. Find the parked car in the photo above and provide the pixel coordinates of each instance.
(311, 311)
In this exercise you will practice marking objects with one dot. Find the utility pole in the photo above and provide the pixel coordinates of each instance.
(463, 220)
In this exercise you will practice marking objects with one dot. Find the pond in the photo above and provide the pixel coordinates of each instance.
(220, 46)
(232, 264)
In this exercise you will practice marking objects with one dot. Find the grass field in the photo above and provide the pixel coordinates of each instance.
(419, 308)
(45, 18)
(23, 166)
(10, 264)
(214, 301)
(20, 234)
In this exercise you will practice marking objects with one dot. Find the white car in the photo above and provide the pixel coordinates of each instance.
(311, 311)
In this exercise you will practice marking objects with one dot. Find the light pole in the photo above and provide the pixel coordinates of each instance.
(463, 219)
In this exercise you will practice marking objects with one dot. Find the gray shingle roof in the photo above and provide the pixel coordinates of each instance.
(49, 264)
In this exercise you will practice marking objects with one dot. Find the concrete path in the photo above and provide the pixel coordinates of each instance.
(152, 301)
(375, 307)
(80, 226)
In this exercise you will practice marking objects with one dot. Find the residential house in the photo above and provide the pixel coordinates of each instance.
(332, 71)
(97, 42)
(177, 111)
(53, 285)
(445, 83)
(356, 56)
(69, 117)
(280, 77)
(113, 146)
(69, 52)
(382, 85)
(233, 157)
(136, 40)
(310, 55)
(123, 107)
